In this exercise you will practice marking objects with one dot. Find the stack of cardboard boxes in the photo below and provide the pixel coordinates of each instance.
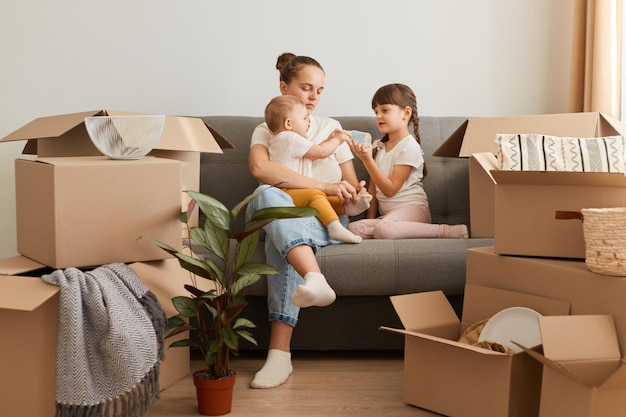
(537, 261)
(76, 208)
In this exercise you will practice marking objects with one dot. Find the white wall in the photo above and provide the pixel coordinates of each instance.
(201, 57)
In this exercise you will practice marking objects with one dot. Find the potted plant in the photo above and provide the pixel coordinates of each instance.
(212, 317)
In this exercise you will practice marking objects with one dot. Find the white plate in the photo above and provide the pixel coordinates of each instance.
(520, 324)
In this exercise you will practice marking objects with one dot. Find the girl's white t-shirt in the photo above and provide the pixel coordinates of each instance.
(325, 170)
(406, 152)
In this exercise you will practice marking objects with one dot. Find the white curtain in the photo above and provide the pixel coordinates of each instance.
(597, 57)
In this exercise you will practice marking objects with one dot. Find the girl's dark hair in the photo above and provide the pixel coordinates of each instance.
(289, 65)
(402, 96)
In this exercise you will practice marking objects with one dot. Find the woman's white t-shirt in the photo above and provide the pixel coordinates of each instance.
(325, 170)
(406, 152)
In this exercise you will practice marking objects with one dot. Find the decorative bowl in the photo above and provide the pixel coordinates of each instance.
(125, 137)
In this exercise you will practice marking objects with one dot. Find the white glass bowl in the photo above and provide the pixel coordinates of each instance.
(125, 137)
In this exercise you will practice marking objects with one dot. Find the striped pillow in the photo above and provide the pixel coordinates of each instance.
(531, 152)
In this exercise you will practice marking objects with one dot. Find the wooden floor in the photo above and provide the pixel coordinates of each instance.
(324, 384)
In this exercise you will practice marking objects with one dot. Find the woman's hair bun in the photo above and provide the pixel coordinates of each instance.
(283, 59)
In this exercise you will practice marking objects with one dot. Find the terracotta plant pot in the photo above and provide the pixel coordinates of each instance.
(215, 396)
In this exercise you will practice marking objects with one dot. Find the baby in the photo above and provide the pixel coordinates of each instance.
(288, 120)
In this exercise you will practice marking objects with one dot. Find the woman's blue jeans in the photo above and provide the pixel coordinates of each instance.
(280, 237)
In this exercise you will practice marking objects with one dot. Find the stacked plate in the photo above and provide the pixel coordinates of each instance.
(519, 324)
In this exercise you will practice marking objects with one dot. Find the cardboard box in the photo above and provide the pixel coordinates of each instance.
(166, 279)
(87, 211)
(568, 280)
(28, 312)
(458, 379)
(525, 204)
(584, 373)
(482, 192)
(28, 323)
(479, 134)
(183, 139)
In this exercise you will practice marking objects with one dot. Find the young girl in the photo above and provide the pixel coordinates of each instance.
(396, 174)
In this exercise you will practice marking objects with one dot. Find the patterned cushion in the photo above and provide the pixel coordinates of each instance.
(531, 152)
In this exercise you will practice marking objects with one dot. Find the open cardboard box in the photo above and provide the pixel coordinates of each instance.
(584, 373)
(569, 280)
(523, 206)
(28, 323)
(458, 379)
(478, 135)
(183, 139)
(89, 211)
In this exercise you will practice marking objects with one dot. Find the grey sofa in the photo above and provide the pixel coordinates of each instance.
(363, 275)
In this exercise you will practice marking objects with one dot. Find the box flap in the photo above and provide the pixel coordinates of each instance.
(590, 179)
(487, 161)
(443, 340)
(481, 303)
(579, 337)
(617, 378)
(179, 133)
(12, 289)
(452, 145)
(593, 374)
(19, 264)
(189, 134)
(50, 126)
(609, 126)
(424, 310)
(480, 133)
(550, 364)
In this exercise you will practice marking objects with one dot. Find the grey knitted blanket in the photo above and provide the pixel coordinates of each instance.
(110, 339)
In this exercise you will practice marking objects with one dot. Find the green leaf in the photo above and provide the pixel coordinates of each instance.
(245, 281)
(185, 306)
(246, 250)
(253, 227)
(181, 343)
(164, 246)
(235, 211)
(214, 210)
(284, 213)
(264, 216)
(211, 238)
(256, 268)
(175, 321)
(243, 323)
(204, 268)
(230, 338)
(248, 336)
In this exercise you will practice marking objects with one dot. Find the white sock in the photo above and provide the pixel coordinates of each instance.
(314, 292)
(458, 231)
(338, 232)
(362, 204)
(276, 370)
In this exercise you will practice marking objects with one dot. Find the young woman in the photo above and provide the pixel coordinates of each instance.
(396, 174)
(290, 243)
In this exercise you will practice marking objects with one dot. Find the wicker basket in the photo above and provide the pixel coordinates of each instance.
(605, 240)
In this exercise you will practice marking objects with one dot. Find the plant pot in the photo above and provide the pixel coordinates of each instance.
(215, 396)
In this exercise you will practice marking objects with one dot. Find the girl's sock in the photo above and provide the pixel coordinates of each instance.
(458, 231)
(362, 204)
(338, 232)
(314, 292)
(276, 370)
